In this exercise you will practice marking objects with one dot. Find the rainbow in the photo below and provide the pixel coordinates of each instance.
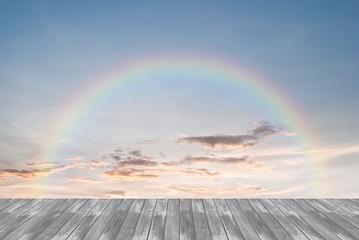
(228, 72)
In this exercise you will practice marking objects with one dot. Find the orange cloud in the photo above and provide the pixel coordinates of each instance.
(33, 173)
(116, 193)
(207, 191)
(41, 164)
(84, 180)
(201, 171)
(133, 174)
(8, 173)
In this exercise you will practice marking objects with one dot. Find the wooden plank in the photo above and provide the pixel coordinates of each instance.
(35, 217)
(351, 204)
(82, 229)
(11, 224)
(3, 200)
(59, 222)
(258, 224)
(186, 220)
(18, 213)
(275, 227)
(347, 226)
(144, 222)
(307, 229)
(172, 220)
(99, 226)
(157, 229)
(9, 210)
(345, 205)
(333, 226)
(287, 224)
(72, 224)
(214, 222)
(342, 210)
(131, 220)
(115, 224)
(311, 220)
(8, 204)
(243, 223)
(47, 220)
(228, 221)
(200, 220)
(354, 200)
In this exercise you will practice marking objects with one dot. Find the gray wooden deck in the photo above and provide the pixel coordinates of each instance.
(179, 219)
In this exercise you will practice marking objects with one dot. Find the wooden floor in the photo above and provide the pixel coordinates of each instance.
(179, 219)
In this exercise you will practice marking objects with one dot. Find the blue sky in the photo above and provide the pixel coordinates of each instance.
(51, 51)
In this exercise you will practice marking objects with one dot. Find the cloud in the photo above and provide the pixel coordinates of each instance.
(84, 180)
(76, 158)
(116, 193)
(95, 164)
(265, 130)
(222, 141)
(132, 174)
(244, 162)
(133, 158)
(41, 164)
(259, 122)
(34, 173)
(211, 191)
(253, 189)
(251, 139)
(201, 171)
(137, 162)
(136, 153)
(230, 160)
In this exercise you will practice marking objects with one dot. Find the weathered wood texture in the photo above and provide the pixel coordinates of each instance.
(179, 219)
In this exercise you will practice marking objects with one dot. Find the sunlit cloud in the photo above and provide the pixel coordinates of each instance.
(31, 173)
(41, 164)
(116, 193)
(84, 180)
(76, 158)
(201, 171)
(275, 193)
(134, 174)
(202, 191)
(34, 173)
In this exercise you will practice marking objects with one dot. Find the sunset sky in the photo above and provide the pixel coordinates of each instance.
(179, 99)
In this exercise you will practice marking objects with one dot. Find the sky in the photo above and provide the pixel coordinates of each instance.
(179, 99)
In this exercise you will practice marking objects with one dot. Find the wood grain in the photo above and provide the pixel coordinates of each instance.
(174, 219)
